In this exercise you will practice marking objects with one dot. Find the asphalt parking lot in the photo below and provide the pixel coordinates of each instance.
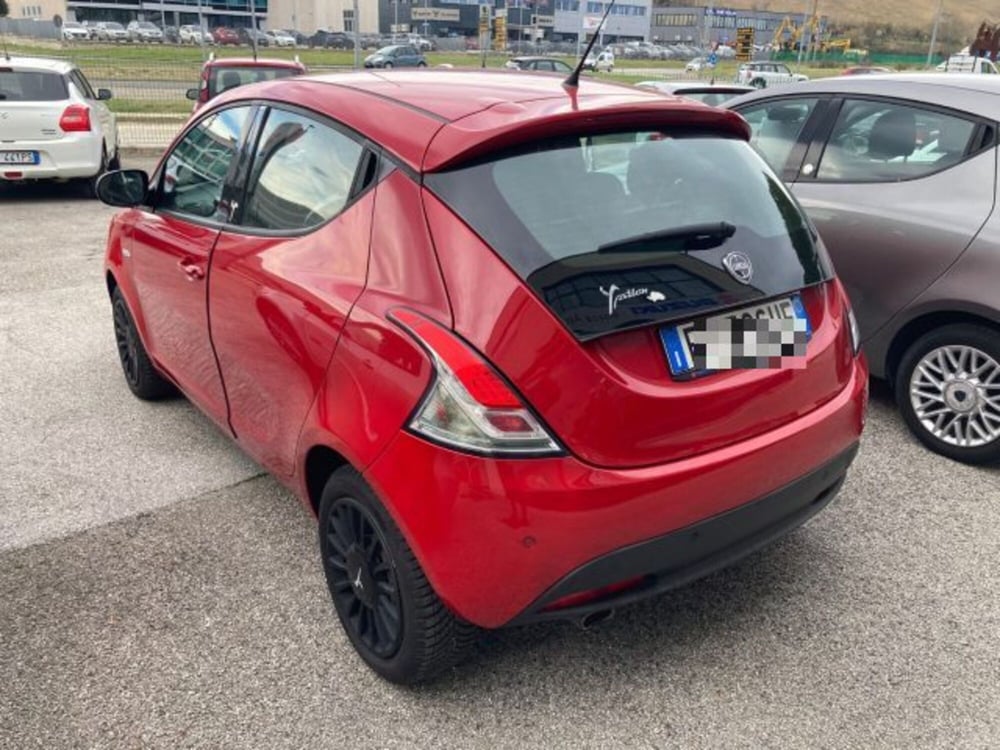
(158, 590)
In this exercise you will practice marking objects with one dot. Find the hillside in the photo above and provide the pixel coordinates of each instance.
(901, 20)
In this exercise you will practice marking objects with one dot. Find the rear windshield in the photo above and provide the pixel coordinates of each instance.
(223, 79)
(641, 210)
(32, 86)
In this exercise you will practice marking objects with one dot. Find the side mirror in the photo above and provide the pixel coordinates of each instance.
(192, 94)
(104, 94)
(123, 187)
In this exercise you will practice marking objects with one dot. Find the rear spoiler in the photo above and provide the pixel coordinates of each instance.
(507, 124)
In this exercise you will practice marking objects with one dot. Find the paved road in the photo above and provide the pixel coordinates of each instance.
(156, 590)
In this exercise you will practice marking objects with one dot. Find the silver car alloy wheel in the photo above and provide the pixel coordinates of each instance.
(955, 393)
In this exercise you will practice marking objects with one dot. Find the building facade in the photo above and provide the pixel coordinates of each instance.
(698, 24)
(629, 20)
(335, 15)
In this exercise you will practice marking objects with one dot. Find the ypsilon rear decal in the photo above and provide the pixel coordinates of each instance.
(614, 296)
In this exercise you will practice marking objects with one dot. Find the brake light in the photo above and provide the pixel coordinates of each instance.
(470, 406)
(75, 119)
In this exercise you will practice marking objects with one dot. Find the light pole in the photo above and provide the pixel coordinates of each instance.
(395, 18)
(357, 37)
(709, 14)
(934, 33)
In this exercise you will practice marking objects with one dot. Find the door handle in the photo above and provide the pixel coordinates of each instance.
(192, 270)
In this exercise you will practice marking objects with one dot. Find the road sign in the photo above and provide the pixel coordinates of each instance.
(541, 20)
(451, 15)
(744, 44)
(713, 59)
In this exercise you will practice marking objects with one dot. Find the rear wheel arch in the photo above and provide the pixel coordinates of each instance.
(920, 326)
(111, 282)
(320, 463)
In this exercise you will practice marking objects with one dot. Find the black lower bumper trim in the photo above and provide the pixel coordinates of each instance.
(695, 551)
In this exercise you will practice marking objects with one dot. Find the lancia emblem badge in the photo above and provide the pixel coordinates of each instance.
(739, 267)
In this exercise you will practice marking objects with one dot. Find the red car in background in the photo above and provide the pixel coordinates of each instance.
(527, 352)
(222, 74)
(225, 35)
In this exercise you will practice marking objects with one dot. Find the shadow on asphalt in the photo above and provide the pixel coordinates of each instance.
(42, 192)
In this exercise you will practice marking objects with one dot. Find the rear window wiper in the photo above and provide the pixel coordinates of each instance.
(689, 237)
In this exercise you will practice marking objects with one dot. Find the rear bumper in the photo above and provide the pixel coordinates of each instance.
(677, 558)
(500, 539)
(75, 155)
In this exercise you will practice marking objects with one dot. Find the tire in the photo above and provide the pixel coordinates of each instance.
(421, 65)
(115, 162)
(387, 66)
(944, 392)
(758, 83)
(425, 638)
(88, 185)
(140, 374)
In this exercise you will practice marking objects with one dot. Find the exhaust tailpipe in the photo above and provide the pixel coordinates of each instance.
(593, 619)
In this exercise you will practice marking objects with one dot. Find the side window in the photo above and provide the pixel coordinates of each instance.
(195, 172)
(545, 65)
(82, 84)
(302, 174)
(776, 126)
(879, 141)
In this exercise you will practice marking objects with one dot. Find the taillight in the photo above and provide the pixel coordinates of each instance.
(470, 406)
(75, 119)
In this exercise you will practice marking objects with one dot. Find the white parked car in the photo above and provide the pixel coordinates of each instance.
(55, 127)
(191, 34)
(763, 74)
(279, 38)
(75, 32)
(109, 31)
(144, 31)
(698, 64)
(604, 62)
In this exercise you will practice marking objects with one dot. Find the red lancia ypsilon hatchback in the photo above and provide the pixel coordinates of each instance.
(527, 352)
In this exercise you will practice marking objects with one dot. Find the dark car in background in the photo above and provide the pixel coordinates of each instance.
(396, 56)
(539, 64)
(253, 36)
(224, 35)
(331, 39)
(898, 173)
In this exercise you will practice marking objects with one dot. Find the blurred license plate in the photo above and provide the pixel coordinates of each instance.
(763, 336)
(18, 157)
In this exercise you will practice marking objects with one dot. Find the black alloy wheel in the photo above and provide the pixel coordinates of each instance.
(141, 376)
(362, 578)
(389, 610)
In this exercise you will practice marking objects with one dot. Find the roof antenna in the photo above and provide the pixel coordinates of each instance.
(573, 79)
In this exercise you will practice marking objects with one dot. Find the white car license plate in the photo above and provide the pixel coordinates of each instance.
(18, 157)
(770, 335)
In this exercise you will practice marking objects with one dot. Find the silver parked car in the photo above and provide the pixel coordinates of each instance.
(899, 174)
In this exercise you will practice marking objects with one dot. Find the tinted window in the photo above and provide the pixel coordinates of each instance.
(876, 141)
(776, 127)
(575, 215)
(229, 77)
(711, 98)
(544, 65)
(32, 86)
(195, 172)
(81, 83)
(303, 172)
